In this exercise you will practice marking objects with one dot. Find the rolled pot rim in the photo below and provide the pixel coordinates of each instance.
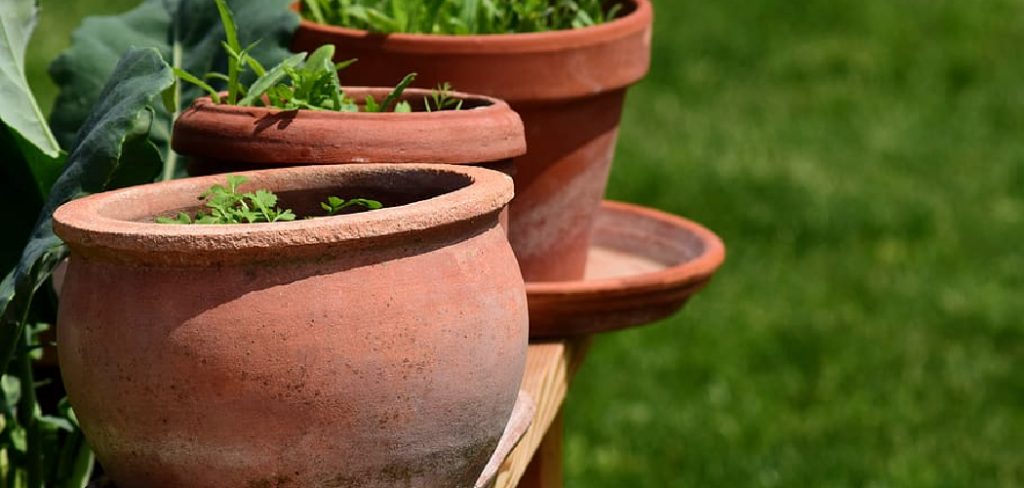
(257, 136)
(696, 270)
(87, 224)
(492, 106)
(636, 20)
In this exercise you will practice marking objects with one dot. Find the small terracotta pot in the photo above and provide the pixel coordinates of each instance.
(569, 88)
(221, 138)
(377, 349)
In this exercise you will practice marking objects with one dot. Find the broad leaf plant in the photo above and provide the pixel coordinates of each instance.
(110, 128)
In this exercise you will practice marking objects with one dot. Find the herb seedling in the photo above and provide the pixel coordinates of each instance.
(227, 205)
(442, 99)
(333, 205)
(298, 82)
(460, 17)
(401, 106)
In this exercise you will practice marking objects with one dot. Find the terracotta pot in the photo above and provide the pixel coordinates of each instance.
(377, 349)
(569, 88)
(222, 138)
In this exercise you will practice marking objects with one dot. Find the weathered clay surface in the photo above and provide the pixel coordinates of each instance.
(643, 266)
(486, 130)
(518, 424)
(378, 349)
(568, 86)
(522, 418)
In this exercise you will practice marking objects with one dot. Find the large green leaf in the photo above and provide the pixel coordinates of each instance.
(188, 33)
(18, 108)
(30, 159)
(108, 149)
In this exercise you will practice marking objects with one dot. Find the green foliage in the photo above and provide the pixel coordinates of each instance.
(114, 134)
(31, 159)
(40, 449)
(228, 205)
(124, 115)
(18, 108)
(18, 190)
(460, 16)
(188, 77)
(58, 18)
(236, 55)
(29, 152)
(873, 149)
(441, 99)
(334, 205)
(188, 33)
(396, 93)
(297, 82)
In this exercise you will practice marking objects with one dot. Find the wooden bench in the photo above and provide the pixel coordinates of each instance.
(537, 461)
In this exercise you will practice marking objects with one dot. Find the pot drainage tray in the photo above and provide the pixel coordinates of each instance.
(643, 266)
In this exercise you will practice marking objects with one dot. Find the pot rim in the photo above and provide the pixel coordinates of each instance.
(489, 132)
(636, 20)
(87, 224)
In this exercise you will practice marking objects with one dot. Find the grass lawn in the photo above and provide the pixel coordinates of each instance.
(864, 162)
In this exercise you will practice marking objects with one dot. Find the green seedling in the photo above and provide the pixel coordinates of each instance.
(460, 17)
(301, 81)
(370, 104)
(442, 99)
(228, 205)
(333, 205)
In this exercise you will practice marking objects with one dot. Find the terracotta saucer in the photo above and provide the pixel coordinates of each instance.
(642, 266)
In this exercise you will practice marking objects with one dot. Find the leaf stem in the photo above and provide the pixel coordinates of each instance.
(11, 335)
(171, 161)
(28, 409)
(235, 50)
(77, 461)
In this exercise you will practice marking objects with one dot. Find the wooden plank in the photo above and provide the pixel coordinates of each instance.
(546, 380)
(549, 370)
(545, 470)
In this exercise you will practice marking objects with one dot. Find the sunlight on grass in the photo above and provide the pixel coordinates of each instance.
(864, 164)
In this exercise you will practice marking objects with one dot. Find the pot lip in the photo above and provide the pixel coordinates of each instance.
(86, 222)
(637, 20)
(495, 106)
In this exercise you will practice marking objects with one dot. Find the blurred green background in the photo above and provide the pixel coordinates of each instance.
(864, 162)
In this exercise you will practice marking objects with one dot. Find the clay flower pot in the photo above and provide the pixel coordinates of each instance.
(569, 88)
(377, 349)
(221, 138)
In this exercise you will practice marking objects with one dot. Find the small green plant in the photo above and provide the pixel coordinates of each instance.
(227, 205)
(298, 82)
(401, 106)
(442, 99)
(333, 205)
(460, 17)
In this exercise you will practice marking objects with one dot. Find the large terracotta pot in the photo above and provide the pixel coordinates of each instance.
(219, 138)
(569, 88)
(378, 349)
